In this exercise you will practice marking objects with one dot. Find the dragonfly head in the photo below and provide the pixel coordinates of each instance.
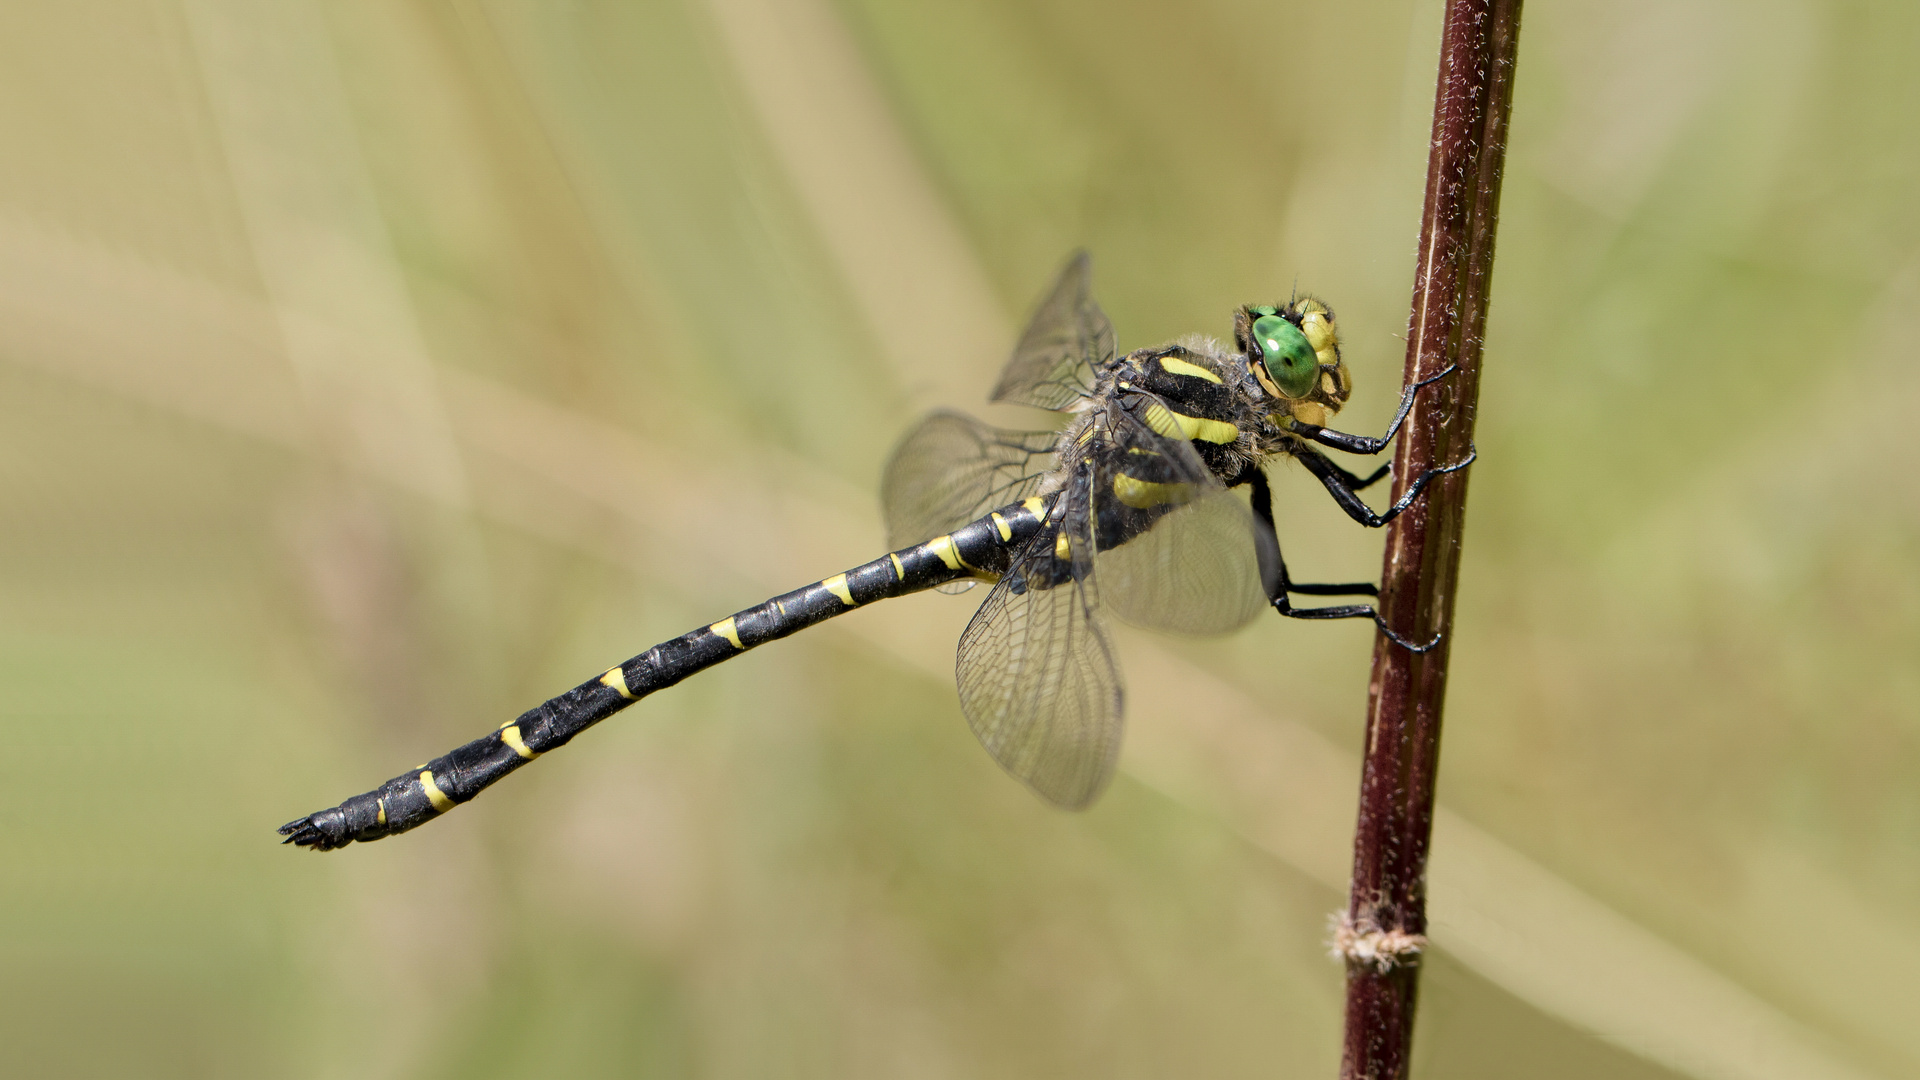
(1294, 351)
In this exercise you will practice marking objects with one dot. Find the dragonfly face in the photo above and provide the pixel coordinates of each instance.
(1294, 354)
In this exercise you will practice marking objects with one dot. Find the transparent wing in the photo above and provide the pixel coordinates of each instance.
(1175, 548)
(1036, 673)
(951, 469)
(1068, 340)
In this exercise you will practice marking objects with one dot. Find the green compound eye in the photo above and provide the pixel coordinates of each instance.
(1289, 358)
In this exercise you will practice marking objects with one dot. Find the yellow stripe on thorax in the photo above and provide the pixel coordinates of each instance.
(1172, 425)
(1173, 365)
(1034, 506)
(726, 629)
(1000, 523)
(1145, 494)
(441, 804)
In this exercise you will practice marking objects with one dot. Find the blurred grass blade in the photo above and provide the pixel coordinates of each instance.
(553, 472)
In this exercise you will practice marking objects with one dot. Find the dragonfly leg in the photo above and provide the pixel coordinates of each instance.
(1279, 585)
(1355, 611)
(1341, 485)
(1355, 482)
(1365, 444)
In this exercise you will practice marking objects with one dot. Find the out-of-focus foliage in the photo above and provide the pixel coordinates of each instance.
(370, 371)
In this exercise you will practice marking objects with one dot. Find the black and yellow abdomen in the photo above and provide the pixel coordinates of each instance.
(983, 549)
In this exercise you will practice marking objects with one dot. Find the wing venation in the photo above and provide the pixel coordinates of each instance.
(1036, 673)
(951, 468)
(1065, 345)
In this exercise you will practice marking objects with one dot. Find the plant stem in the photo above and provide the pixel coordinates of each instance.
(1385, 925)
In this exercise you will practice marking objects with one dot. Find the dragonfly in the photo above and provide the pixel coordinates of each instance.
(1128, 508)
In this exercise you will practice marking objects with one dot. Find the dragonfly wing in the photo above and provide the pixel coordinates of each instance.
(951, 469)
(1036, 673)
(1175, 548)
(1067, 342)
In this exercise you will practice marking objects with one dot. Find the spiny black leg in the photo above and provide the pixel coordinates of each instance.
(1355, 611)
(1273, 568)
(1362, 444)
(1266, 539)
(1357, 588)
(1361, 483)
(1339, 484)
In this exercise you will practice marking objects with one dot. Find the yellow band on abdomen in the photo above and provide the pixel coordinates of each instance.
(837, 585)
(949, 553)
(617, 680)
(511, 736)
(441, 804)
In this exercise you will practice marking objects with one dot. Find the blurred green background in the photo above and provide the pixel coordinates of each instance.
(370, 371)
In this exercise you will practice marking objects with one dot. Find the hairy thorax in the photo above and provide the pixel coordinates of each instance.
(1205, 394)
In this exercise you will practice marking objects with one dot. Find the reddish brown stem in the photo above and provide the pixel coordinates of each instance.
(1386, 917)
